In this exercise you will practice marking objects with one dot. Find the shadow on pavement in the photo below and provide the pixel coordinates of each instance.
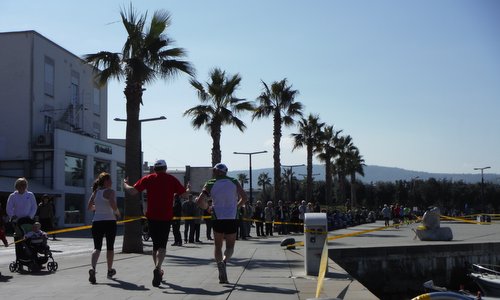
(264, 289)
(127, 285)
(4, 278)
(193, 291)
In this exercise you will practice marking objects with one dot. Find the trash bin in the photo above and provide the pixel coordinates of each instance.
(315, 233)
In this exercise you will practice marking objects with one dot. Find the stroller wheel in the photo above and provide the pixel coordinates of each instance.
(54, 266)
(50, 266)
(13, 266)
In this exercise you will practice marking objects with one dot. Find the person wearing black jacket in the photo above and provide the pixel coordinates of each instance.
(176, 222)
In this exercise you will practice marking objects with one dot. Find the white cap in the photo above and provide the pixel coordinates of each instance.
(160, 163)
(221, 167)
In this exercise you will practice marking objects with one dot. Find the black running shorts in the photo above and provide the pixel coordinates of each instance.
(225, 226)
(159, 231)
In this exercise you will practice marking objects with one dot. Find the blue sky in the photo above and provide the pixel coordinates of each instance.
(415, 83)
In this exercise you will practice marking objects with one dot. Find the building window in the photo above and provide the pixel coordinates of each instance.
(97, 130)
(120, 175)
(74, 170)
(48, 124)
(97, 101)
(101, 166)
(74, 208)
(75, 88)
(49, 77)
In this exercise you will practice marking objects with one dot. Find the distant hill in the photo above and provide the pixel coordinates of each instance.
(377, 174)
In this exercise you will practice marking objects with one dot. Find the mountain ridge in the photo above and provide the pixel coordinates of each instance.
(374, 173)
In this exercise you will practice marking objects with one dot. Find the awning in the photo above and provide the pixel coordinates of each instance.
(7, 186)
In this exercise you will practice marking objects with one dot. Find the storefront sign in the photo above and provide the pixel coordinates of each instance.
(103, 148)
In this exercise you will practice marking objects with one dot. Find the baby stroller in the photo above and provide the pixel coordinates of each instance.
(31, 252)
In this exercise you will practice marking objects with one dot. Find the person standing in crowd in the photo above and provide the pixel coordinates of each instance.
(207, 214)
(317, 207)
(2, 228)
(310, 207)
(46, 214)
(258, 215)
(227, 196)
(294, 217)
(302, 213)
(247, 220)
(240, 234)
(269, 218)
(386, 214)
(161, 188)
(198, 212)
(282, 217)
(176, 221)
(21, 207)
(103, 203)
(188, 213)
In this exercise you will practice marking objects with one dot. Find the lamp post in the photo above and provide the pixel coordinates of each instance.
(140, 129)
(482, 183)
(290, 167)
(142, 120)
(250, 169)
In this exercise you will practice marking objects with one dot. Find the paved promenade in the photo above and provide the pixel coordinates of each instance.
(260, 269)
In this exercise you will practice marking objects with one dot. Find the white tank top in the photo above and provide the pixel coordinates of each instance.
(103, 210)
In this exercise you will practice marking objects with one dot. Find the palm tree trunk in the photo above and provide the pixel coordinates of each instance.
(353, 190)
(328, 181)
(216, 153)
(276, 156)
(342, 188)
(132, 242)
(309, 184)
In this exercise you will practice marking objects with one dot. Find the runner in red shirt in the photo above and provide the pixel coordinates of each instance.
(161, 188)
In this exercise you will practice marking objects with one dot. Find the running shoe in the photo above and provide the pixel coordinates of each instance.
(156, 277)
(92, 276)
(111, 273)
(222, 272)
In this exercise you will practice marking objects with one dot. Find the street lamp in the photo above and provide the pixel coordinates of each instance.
(290, 167)
(142, 120)
(482, 183)
(140, 131)
(250, 171)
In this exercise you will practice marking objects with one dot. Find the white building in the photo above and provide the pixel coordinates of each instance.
(53, 125)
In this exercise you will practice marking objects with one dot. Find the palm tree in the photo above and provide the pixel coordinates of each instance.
(279, 102)
(242, 178)
(263, 180)
(146, 55)
(355, 164)
(327, 150)
(219, 107)
(287, 181)
(310, 132)
(345, 145)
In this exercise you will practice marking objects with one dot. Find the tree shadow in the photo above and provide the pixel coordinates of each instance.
(194, 291)
(264, 289)
(125, 285)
